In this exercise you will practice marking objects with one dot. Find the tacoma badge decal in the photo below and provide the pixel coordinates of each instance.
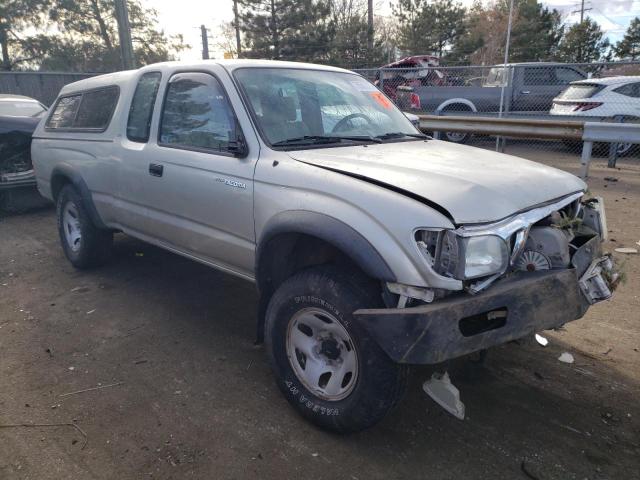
(231, 183)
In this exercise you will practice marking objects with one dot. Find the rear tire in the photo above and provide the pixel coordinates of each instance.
(84, 244)
(327, 366)
(457, 137)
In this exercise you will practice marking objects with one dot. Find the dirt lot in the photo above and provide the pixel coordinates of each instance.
(197, 400)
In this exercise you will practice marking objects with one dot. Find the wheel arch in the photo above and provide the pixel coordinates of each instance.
(294, 240)
(66, 175)
(456, 101)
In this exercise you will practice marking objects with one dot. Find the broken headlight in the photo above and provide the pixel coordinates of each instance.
(463, 258)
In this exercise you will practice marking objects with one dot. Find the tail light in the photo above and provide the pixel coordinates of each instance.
(414, 101)
(583, 107)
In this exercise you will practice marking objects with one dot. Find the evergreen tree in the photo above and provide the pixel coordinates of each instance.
(16, 45)
(583, 43)
(411, 18)
(629, 46)
(536, 32)
(429, 27)
(83, 35)
(535, 35)
(286, 29)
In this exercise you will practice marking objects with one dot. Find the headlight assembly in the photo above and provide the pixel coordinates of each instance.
(463, 258)
(484, 255)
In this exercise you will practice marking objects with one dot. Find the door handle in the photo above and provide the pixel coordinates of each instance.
(155, 169)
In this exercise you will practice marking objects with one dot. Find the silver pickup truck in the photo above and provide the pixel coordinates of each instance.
(372, 246)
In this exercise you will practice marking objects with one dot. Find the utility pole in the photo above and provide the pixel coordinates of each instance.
(236, 23)
(205, 42)
(582, 10)
(370, 29)
(124, 33)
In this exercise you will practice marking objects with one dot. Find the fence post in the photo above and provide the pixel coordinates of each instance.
(585, 160)
(381, 82)
(613, 147)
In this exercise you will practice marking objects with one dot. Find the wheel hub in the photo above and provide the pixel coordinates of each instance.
(71, 226)
(330, 349)
(322, 354)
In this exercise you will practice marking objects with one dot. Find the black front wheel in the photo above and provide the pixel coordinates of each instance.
(84, 244)
(328, 367)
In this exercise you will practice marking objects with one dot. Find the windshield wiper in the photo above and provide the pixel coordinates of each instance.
(316, 139)
(387, 136)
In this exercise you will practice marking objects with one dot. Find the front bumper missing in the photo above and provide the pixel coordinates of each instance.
(514, 307)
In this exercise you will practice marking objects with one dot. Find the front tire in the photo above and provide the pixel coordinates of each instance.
(84, 244)
(329, 369)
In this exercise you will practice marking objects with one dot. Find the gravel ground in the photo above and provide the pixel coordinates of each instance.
(194, 398)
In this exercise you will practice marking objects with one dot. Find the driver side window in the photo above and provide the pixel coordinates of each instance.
(197, 114)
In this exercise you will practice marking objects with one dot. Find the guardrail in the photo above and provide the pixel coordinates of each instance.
(586, 132)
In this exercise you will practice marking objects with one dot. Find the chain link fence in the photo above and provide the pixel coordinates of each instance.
(43, 86)
(607, 92)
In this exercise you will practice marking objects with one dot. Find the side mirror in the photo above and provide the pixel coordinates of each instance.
(238, 146)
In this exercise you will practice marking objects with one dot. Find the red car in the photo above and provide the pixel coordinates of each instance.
(414, 71)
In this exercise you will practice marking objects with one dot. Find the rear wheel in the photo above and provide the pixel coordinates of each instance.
(329, 369)
(84, 244)
(457, 137)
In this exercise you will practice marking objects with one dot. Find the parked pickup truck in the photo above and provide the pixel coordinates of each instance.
(372, 246)
(529, 87)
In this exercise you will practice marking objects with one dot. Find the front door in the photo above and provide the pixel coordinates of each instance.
(198, 192)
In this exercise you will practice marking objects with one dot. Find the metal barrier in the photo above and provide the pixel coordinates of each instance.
(510, 127)
(614, 133)
(586, 132)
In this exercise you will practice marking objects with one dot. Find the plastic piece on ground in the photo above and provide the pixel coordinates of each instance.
(445, 394)
(566, 358)
(542, 340)
(626, 250)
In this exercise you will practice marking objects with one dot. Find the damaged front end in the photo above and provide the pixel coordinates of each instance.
(534, 271)
(16, 169)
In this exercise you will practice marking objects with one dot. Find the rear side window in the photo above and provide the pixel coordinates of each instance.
(538, 76)
(197, 114)
(90, 110)
(64, 113)
(630, 90)
(141, 111)
(567, 75)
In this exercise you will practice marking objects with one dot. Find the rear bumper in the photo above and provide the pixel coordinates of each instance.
(432, 333)
(512, 308)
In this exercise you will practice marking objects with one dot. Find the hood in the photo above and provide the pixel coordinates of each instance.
(473, 185)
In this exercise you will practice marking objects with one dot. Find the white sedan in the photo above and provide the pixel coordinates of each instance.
(615, 98)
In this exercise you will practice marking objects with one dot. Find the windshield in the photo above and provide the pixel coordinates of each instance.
(315, 107)
(579, 91)
(21, 109)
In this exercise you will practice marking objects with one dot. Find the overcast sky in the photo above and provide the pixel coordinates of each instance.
(186, 16)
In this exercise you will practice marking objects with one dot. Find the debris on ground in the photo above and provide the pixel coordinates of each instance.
(542, 340)
(81, 289)
(566, 358)
(91, 389)
(626, 250)
(611, 179)
(445, 394)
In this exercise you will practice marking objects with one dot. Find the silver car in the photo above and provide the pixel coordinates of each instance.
(372, 246)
